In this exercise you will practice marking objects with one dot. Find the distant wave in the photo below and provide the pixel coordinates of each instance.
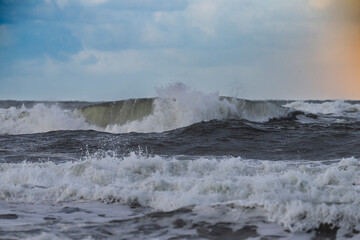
(163, 114)
(339, 107)
(175, 107)
(40, 118)
(133, 115)
(159, 114)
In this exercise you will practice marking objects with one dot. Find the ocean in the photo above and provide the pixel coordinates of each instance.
(183, 165)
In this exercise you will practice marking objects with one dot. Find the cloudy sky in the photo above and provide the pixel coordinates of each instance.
(118, 49)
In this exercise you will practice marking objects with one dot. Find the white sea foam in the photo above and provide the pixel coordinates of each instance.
(39, 118)
(298, 195)
(338, 107)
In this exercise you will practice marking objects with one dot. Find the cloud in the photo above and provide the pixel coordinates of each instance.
(138, 24)
(118, 49)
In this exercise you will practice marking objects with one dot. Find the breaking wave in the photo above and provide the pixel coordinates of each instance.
(163, 114)
(40, 118)
(298, 195)
(339, 107)
(176, 106)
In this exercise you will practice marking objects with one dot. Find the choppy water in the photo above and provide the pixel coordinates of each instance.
(185, 165)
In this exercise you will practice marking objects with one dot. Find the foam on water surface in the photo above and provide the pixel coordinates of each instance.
(338, 107)
(39, 118)
(298, 195)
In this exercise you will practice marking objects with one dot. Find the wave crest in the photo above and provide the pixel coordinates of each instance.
(176, 107)
(40, 118)
(339, 107)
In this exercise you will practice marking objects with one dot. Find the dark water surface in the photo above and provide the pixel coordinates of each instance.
(275, 140)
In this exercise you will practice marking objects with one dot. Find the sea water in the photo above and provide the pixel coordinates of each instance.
(183, 165)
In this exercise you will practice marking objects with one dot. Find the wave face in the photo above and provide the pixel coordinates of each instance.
(164, 114)
(117, 113)
(298, 195)
(176, 106)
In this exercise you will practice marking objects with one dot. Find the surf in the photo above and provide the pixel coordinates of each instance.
(163, 114)
(312, 193)
(174, 107)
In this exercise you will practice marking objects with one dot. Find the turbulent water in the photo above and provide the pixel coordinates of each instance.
(184, 165)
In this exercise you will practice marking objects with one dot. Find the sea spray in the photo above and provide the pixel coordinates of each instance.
(40, 118)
